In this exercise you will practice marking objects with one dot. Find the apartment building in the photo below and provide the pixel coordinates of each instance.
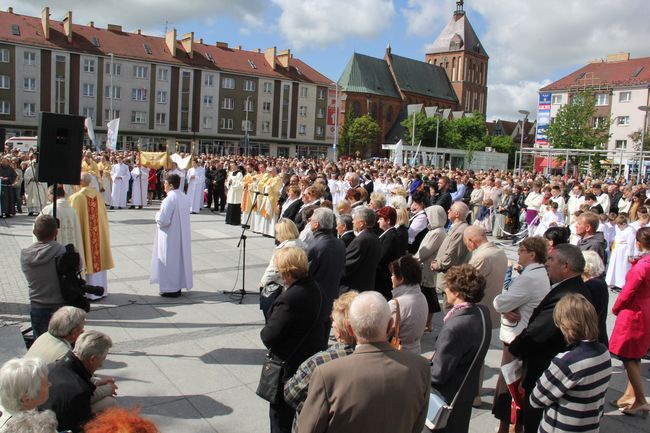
(621, 86)
(168, 92)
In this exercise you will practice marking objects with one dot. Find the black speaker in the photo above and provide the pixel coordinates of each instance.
(60, 141)
(3, 137)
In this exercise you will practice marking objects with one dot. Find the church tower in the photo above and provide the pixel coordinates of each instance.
(459, 51)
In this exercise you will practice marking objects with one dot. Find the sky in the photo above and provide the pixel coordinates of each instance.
(531, 43)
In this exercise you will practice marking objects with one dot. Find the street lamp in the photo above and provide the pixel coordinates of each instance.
(247, 109)
(645, 109)
(437, 115)
(525, 113)
(336, 120)
(111, 93)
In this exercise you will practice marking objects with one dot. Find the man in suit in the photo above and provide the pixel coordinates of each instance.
(376, 389)
(453, 251)
(444, 198)
(363, 254)
(344, 229)
(538, 344)
(326, 256)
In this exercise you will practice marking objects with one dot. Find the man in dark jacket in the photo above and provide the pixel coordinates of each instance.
(38, 263)
(326, 256)
(219, 188)
(444, 197)
(538, 344)
(344, 229)
(7, 178)
(71, 387)
(590, 239)
(363, 254)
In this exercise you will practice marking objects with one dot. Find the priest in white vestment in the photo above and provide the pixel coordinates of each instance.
(120, 176)
(195, 186)
(140, 176)
(35, 191)
(180, 173)
(171, 261)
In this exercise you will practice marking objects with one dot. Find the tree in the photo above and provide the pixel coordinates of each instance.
(504, 144)
(344, 134)
(363, 134)
(425, 130)
(575, 126)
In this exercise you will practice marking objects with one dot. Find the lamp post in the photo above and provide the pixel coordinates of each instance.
(111, 92)
(645, 109)
(437, 115)
(525, 113)
(336, 120)
(246, 107)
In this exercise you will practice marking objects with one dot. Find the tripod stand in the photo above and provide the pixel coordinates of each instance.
(242, 244)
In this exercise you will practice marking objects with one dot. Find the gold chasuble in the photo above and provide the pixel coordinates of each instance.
(93, 219)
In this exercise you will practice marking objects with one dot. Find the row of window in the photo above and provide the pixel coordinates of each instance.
(601, 98)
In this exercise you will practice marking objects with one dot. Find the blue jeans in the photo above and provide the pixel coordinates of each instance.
(41, 319)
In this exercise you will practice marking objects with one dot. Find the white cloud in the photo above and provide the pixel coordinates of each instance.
(307, 23)
(424, 15)
(506, 99)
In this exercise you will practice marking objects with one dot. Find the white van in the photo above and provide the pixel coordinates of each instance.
(23, 144)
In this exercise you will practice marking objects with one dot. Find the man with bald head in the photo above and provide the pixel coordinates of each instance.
(453, 251)
(93, 219)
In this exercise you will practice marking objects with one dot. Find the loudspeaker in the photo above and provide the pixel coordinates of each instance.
(60, 142)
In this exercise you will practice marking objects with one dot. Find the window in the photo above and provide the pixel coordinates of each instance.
(623, 120)
(139, 94)
(249, 85)
(226, 123)
(161, 97)
(321, 93)
(209, 80)
(602, 99)
(625, 97)
(15, 29)
(247, 125)
(207, 101)
(138, 117)
(596, 121)
(162, 74)
(5, 82)
(147, 49)
(228, 104)
(5, 57)
(266, 126)
(161, 118)
(88, 89)
(266, 106)
(302, 111)
(304, 91)
(88, 112)
(117, 68)
(207, 122)
(115, 93)
(268, 87)
(107, 114)
(30, 84)
(29, 109)
(5, 107)
(89, 65)
(249, 105)
(140, 71)
(96, 41)
(228, 83)
(556, 99)
(319, 131)
(302, 129)
(30, 58)
(621, 144)
(320, 113)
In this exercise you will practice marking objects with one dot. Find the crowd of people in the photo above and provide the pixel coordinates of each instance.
(369, 252)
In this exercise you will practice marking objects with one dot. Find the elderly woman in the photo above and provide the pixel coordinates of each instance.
(631, 336)
(475, 200)
(271, 284)
(23, 386)
(465, 336)
(389, 239)
(593, 278)
(502, 213)
(516, 305)
(296, 325)
(295, 390)
(437, 218)
(31, 422)
(408, 303)
(578, 378)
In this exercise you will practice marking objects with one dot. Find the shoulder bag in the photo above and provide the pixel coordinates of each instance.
(439, 411)
(396, 342)
(271, 385)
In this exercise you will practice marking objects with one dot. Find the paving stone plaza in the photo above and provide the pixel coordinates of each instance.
(193, 363)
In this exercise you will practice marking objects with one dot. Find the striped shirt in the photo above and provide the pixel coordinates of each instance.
(572, 389)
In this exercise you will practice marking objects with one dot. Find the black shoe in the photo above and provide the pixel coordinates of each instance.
(130, 207)
(139, 207)
(120, 208)
(194, 213)
(171, 294)
(112, 207)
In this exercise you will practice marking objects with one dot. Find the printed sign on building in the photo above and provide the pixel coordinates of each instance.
(331, 114)
(543, 119)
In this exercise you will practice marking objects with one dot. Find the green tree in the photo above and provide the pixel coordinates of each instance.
(344, 133)
(425, 130)
(363, 133)
(504, 144)
(575, 126)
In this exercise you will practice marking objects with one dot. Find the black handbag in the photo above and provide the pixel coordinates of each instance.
(271, 384)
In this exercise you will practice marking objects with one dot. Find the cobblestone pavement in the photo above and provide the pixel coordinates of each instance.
(193, 363)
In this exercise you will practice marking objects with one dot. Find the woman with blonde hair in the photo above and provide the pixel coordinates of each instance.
(271, 284)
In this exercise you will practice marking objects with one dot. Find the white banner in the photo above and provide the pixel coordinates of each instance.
(182, 163)
(91, 132)
(399, 154)
(111, 134)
